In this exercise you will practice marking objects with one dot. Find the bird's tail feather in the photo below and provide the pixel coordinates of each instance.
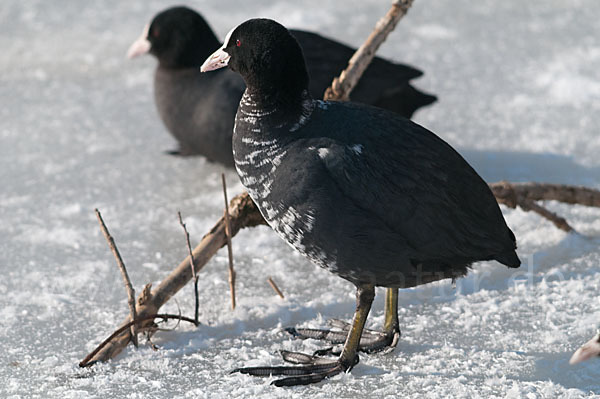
(509, 259)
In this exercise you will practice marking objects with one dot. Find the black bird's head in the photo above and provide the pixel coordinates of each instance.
(265, 54)
(178, 37)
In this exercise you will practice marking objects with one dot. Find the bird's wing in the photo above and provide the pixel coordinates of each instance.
(414, 182)
(326, 58)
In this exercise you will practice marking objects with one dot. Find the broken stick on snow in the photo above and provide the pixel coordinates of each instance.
(275, 287)
(524, 195)
(229, 248)
(243, 213)
(192, 267)
(342, 86)
(126, 280)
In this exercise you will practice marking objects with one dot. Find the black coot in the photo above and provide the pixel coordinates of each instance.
(199, 110)
(361, 191)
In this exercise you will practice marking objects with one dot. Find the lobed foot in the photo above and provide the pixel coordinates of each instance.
(311, 369)
(371, 341)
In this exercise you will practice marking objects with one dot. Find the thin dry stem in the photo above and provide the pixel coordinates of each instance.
(558, 221)
(524, 195)
(126, 280)
(275, 287)
(243, 214)
(194, 275)
(342, 86)
(229, 246)
(165, 316)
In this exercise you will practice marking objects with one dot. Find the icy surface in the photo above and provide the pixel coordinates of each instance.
(519, 89)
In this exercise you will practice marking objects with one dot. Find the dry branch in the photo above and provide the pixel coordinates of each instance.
(559, 221)
(342, 86)
(243, 213)
(524, 195)
(88, 359)
(275, 287)
(126, 280)
(229, 246)
(192, 267)
(506, 193)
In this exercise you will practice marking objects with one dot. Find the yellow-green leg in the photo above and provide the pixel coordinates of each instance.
(391, 326)
(364, 299)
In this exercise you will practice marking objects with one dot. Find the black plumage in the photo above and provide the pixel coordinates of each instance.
(199, 110)
(380, 193)
(361, 191)
(383, 196)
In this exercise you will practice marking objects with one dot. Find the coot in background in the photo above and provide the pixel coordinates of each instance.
(199, 110)
(361, 191)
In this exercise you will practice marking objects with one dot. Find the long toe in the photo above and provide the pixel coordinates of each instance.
(345, 326)
(337, 335)
(332, 336)
(310, 369)
(303, 358)
(339, 324)
(371, 341)
(311, 378)
(379, 342)
(298, 375)
(330, 351)
(268, 371)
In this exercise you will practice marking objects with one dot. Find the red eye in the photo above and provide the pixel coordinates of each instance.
(238, 43)
(155, 32)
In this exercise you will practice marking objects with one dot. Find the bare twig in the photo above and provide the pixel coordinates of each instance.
(229, 249)
(192, 267)
(275, 287)
(243, 213)
(149, 341)
(342, 86)
(524, 195)
(165, 316)
(506, 193)
(178, 321)
(126, 280)
(560, 222)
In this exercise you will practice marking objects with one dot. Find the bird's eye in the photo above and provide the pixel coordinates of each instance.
(238, 43)
(155, 32)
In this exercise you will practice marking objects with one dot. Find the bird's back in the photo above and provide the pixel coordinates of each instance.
(199, 110)
(384, 84)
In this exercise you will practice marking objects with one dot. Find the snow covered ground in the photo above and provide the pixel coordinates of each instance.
(519, 89)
